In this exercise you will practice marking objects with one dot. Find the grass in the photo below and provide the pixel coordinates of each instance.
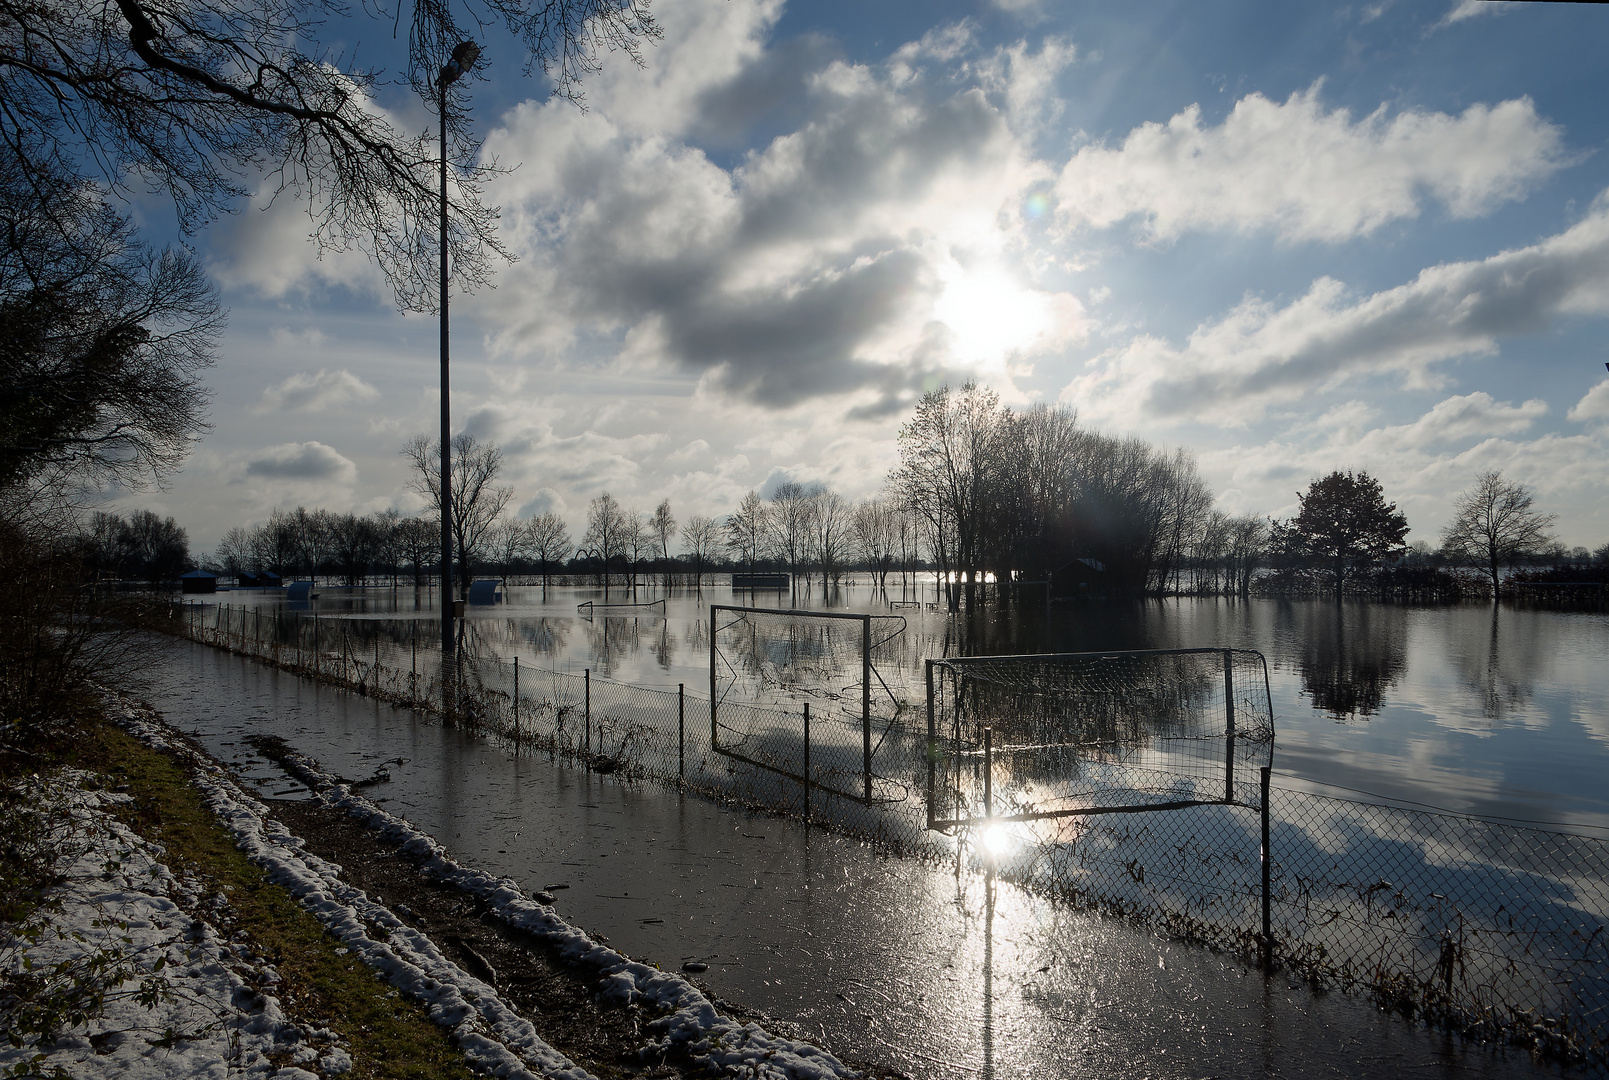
(386, 1035)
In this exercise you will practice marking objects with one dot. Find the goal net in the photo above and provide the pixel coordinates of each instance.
(1023, 738)
(767, 665)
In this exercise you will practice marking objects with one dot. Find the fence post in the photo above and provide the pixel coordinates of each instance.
(932, 744)
(516, 704)
(807, 763)
(413, 668)
(681, 731)
(1268, 920)
(318, 666)
(1229, 716)
(715, 741)
(586, 716)
(988, 772)
(866, 701)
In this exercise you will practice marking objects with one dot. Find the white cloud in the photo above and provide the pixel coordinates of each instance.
(1464, 417)
(1307, 173)
(308, 391)
(1471, 9)
(1594, 406)
(847, 257)
(1231, 369)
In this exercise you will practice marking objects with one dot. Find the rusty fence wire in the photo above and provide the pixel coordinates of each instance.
(1493, 929)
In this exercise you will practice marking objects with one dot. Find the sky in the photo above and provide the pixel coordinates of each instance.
(1290, 238)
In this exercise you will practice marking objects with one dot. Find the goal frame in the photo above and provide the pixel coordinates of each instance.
(946, 825)
(865, 621)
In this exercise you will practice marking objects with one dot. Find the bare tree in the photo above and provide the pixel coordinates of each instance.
(701, 535)
(638, 541)
(190, 98)
(548, 541)
(663, 527)
(420, 541)
(946, 452)
(506, 543)
(830, 533)
(477, 501)
(1495, 525)
(789, 520)
(233, 554)
(608, 532)
(876, 529)
(101, 341)
(746, 532)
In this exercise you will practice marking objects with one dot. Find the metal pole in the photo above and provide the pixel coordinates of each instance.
(586, 717)
(866, 700)
(446, 406)
(516, 703)
(932, 744)
(1229, 715)
(715, 742)
(1268, 920)
(807, 762)
(988, 772)
(681, 730)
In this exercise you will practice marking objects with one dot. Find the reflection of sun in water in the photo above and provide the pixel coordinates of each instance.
(990, 316)
(997, 840)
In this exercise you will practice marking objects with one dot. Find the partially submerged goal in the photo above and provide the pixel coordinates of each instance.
(1028, 738)
(761, 658)
(589, 608)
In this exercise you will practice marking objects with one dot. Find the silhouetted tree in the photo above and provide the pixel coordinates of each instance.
(1345, 526)
(547, 540)
(477, 500)
(1495, 525)
(700, 535)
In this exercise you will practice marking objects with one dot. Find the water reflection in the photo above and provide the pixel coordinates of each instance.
(1349, 655)
(1500, 658)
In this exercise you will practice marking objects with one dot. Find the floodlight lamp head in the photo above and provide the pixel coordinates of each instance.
(463, 59)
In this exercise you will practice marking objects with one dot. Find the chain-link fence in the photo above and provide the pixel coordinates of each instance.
(1493, 929)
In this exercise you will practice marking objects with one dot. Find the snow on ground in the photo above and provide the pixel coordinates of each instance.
(491, 1033)
(689, 1020)
(176, 999)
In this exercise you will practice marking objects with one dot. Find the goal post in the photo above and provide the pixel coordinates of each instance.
(1050, 735)
(795, 654)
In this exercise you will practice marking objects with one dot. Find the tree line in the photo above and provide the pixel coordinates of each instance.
(992, 499)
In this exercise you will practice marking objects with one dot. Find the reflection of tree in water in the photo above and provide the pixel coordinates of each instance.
(1500, 655)
(664, 646)
(1349, 655)
(612, 640)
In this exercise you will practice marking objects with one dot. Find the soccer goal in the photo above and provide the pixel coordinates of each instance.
(772, 668)
(589, 608)
(1025, 738)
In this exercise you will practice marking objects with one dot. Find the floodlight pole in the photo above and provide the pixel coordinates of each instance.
(463, 58)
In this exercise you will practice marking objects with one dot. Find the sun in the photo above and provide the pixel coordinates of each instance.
(991, 317)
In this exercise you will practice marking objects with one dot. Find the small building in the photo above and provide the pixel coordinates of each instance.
(1080, 577)
(300, 592)
(484, 592)
(198, 581)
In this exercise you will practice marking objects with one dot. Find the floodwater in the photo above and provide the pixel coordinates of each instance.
(902, 961)
(1496, 711)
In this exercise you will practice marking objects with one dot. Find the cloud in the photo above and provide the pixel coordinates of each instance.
(1594, 406)
(1465, 417)
(310, 461)
(316, 392)
(843, 258)
(1231, 369)
(1470, 9)
(1306, 173)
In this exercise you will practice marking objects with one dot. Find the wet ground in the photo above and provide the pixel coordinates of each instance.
(893, 960)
